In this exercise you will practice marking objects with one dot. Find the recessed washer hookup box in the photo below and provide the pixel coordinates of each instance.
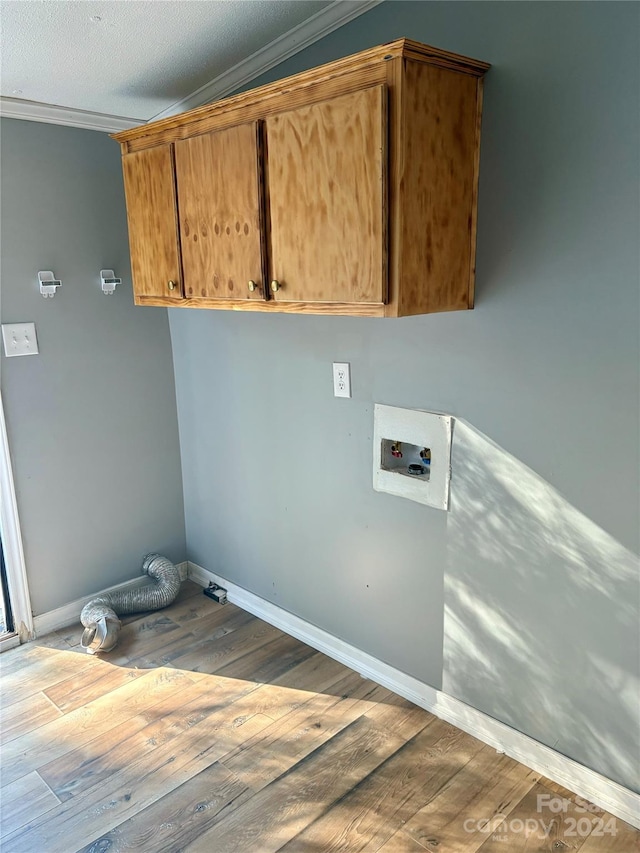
(412, 454)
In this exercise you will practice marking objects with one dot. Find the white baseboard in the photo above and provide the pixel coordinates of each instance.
(9, 642)
(69, 614)
(592, 786)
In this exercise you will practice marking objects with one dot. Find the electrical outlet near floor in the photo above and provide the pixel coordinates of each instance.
(341, 379)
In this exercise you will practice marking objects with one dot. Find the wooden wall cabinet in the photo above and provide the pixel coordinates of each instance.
(348, 189)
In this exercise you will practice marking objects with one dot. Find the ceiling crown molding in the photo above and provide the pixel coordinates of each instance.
(318, 26)
(51, 114)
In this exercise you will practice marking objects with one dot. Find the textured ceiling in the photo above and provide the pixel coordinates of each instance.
(133, 58)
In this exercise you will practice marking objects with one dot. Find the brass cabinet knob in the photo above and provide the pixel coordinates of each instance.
(275, 286)
(172, 285)
(252, 286)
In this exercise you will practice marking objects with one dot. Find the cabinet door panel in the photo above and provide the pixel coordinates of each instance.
(151, 213)
(220, 204)
(327, 199)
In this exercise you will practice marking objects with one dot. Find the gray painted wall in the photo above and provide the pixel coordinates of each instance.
(91, 420)
(523, 599)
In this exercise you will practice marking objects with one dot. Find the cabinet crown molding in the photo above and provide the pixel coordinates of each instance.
(402, 47)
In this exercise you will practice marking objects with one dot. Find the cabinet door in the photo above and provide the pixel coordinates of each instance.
(221, 219)
(151, 213)
(327, 199)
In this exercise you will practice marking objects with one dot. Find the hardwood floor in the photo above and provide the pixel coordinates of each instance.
(209, 730)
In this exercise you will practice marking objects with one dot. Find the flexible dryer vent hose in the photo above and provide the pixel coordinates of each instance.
(100, 618)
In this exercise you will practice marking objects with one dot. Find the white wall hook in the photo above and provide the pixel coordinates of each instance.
(48, 283)
(109, 282)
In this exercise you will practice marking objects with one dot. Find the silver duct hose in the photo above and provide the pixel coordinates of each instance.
(99, 616)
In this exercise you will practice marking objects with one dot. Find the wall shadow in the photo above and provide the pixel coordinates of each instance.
(541, 612)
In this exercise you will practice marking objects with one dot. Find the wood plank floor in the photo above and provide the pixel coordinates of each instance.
(209, 730)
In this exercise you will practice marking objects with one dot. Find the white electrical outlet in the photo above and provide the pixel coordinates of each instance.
(341, 379)
(19, 339)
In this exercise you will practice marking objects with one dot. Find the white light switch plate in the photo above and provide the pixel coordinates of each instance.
(19, 339)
